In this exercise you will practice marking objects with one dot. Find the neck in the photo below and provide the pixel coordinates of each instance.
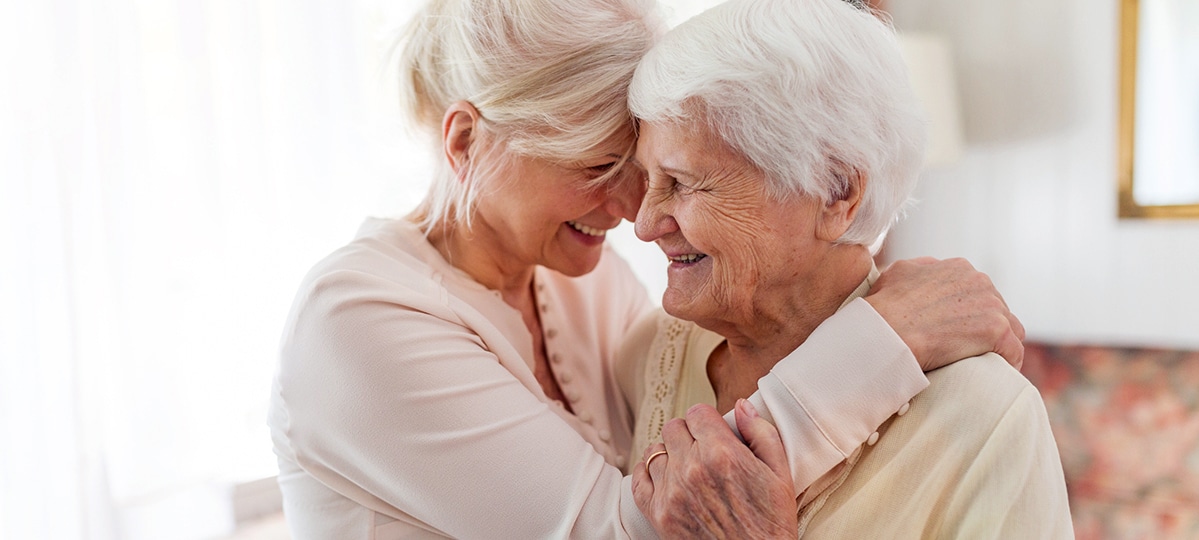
(472, 252)
(782, 321)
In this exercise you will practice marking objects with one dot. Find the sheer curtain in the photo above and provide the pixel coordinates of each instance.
(168, 171)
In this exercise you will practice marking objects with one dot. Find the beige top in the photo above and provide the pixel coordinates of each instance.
(972, 456)
(405, 404)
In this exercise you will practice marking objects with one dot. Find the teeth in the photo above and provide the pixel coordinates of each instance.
(688, 258)
(589, 231)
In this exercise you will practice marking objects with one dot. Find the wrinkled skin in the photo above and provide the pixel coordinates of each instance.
(711, 485)
(945, 311)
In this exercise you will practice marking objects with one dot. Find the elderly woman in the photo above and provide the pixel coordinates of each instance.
(451, 373)
(781, 139)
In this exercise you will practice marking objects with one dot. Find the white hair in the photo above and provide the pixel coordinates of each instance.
(808, 91)
(548, 77)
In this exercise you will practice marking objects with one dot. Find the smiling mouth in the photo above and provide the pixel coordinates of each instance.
(689, 258)
(589, 231)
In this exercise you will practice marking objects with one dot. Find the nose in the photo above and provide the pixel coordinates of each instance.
(654, 219)
(625, 194)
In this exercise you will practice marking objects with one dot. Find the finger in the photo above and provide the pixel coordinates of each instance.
(1017, 326)
(651, 450)
(643, 487)
(676, 436)
(763, 440)
(705, 423)
(656, 466)
(1011, 349)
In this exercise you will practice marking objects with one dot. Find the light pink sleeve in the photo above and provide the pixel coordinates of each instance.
(831, 393)
(395, 404)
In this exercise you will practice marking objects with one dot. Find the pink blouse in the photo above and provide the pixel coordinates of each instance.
(405, 404)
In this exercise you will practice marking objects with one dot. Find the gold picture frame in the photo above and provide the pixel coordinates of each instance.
(1129, 207)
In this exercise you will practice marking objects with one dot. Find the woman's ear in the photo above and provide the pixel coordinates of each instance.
(839, 213)
(458, 134)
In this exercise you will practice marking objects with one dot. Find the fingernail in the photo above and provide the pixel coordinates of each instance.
(747, 408)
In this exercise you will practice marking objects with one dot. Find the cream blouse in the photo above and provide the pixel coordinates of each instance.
(972, 456)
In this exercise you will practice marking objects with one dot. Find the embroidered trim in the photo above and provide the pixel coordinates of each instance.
(663, 368)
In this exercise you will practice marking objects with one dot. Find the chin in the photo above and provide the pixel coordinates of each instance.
(678, 304)
(575, 268)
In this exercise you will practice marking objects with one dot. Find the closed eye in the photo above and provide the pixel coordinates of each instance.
(681, 183)
(665, 183)
(683, 189)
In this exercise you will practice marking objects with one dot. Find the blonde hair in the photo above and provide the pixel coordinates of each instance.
(548, 77)
(808, 91)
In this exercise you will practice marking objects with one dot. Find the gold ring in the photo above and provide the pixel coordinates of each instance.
(652, 456)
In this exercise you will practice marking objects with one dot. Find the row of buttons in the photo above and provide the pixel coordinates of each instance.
(564, 377)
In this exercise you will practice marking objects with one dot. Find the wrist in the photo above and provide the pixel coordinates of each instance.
(900, 323)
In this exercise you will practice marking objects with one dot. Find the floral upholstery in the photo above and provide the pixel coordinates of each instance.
(1127, 426)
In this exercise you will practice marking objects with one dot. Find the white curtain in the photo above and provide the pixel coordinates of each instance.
(169, 169)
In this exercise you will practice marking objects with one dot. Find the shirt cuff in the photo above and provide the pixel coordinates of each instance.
(837, 388)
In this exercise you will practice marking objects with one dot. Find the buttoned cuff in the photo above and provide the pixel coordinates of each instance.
(829, 395)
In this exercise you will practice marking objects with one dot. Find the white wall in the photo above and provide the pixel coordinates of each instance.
(1033, 199)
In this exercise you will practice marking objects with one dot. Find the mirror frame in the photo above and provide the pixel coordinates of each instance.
(1129, 207)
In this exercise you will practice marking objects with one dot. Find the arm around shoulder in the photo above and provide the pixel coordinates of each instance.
(829, 395)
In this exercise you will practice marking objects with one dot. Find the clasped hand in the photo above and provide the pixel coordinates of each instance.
(709, 484)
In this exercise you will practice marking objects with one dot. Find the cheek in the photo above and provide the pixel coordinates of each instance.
(734, 235)
(738, 271)
(572, 201)
(734, 241)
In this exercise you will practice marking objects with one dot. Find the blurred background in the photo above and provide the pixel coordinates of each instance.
(169, 170)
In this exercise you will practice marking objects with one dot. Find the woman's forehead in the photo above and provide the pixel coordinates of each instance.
(681, 137)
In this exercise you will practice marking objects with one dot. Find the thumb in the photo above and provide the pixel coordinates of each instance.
(763, 440)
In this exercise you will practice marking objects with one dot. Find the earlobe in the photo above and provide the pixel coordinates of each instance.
(839, 214)
(458, 134)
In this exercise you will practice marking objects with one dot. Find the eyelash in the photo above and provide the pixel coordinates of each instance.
(599, 171)
(683, 188)
(679, 187)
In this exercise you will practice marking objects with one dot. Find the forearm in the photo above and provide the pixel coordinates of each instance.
(828, 396)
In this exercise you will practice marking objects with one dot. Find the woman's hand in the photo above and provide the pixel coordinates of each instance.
(946, 311)
(708, 484)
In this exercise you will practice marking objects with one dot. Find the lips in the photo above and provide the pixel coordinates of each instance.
(589, 231)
